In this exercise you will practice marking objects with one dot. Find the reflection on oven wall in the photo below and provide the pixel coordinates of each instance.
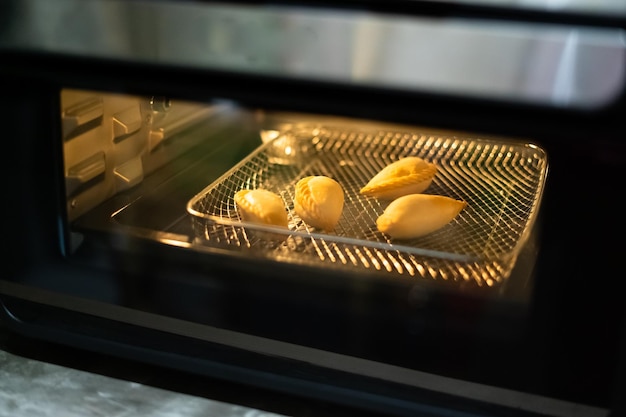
(578, 67)
(104, 138)
(560, 67)
(72, 24)
(111, 141)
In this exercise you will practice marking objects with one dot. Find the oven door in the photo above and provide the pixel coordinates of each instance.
(124, 147)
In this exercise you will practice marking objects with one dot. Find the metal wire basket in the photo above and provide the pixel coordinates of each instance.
(502, 183)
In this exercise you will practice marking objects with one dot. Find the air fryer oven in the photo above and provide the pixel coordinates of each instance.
(130, 126)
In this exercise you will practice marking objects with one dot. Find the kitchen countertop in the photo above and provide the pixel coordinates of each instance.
(43, 379)
(32, 384)
(34, 388)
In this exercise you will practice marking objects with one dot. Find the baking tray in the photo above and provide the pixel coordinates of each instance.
(501, 181)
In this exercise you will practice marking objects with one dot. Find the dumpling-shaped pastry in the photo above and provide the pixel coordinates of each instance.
(319, 201)
(410, 175)
(415, 215)
(261, 206)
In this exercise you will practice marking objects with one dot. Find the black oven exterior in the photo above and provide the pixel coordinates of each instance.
(349, 338)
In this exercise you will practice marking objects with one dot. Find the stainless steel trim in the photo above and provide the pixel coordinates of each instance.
(556, 65)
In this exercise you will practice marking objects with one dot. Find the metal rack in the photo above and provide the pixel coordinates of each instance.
(502, 183)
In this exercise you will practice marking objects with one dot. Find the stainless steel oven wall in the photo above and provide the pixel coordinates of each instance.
(111, 141)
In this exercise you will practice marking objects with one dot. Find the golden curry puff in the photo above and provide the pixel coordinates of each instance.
(415, 215)
(319, 201)
(410, 175)
(261, 206)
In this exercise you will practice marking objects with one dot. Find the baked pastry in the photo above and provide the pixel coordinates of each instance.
(415, 215)
(319, 201)
(261, 206)
(410, 175)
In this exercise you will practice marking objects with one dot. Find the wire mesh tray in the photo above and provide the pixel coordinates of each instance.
(502, 183)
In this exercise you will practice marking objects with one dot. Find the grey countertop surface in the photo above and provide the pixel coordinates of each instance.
(42, 379)
(34, 388)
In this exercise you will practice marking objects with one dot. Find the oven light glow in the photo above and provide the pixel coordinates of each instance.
(175, 242)
(269, 135)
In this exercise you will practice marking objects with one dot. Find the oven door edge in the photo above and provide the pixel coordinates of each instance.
(284, 367)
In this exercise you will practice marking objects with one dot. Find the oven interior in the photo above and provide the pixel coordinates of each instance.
(112, 143)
